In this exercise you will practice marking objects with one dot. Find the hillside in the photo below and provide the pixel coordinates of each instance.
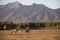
(16, 12)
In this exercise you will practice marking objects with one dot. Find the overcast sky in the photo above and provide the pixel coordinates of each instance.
(49, 3)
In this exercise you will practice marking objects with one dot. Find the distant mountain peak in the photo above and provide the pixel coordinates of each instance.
(15, 4)
(38, 4)
(34, 4)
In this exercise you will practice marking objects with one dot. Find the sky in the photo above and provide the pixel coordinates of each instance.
(54, 4)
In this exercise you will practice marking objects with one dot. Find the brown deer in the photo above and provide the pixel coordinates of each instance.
(15, 30)
(5, 27)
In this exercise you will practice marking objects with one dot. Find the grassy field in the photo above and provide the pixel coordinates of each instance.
(43, 34)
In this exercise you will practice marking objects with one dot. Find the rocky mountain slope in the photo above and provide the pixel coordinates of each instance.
(16, 12)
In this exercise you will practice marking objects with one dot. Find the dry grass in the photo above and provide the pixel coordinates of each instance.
(49, 34)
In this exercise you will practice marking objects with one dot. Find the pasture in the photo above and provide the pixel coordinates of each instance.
(43, 34)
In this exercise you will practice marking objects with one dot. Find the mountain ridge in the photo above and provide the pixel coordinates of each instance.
(16, 12)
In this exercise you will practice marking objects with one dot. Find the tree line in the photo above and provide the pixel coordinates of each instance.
(28, 25)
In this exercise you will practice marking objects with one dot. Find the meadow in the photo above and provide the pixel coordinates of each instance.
(43, 34)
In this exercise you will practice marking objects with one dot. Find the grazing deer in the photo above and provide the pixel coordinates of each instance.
(15, 30)
(27, 29)
(5, 27)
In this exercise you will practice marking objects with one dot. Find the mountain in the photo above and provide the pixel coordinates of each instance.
(58, 12)
(16, 12)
